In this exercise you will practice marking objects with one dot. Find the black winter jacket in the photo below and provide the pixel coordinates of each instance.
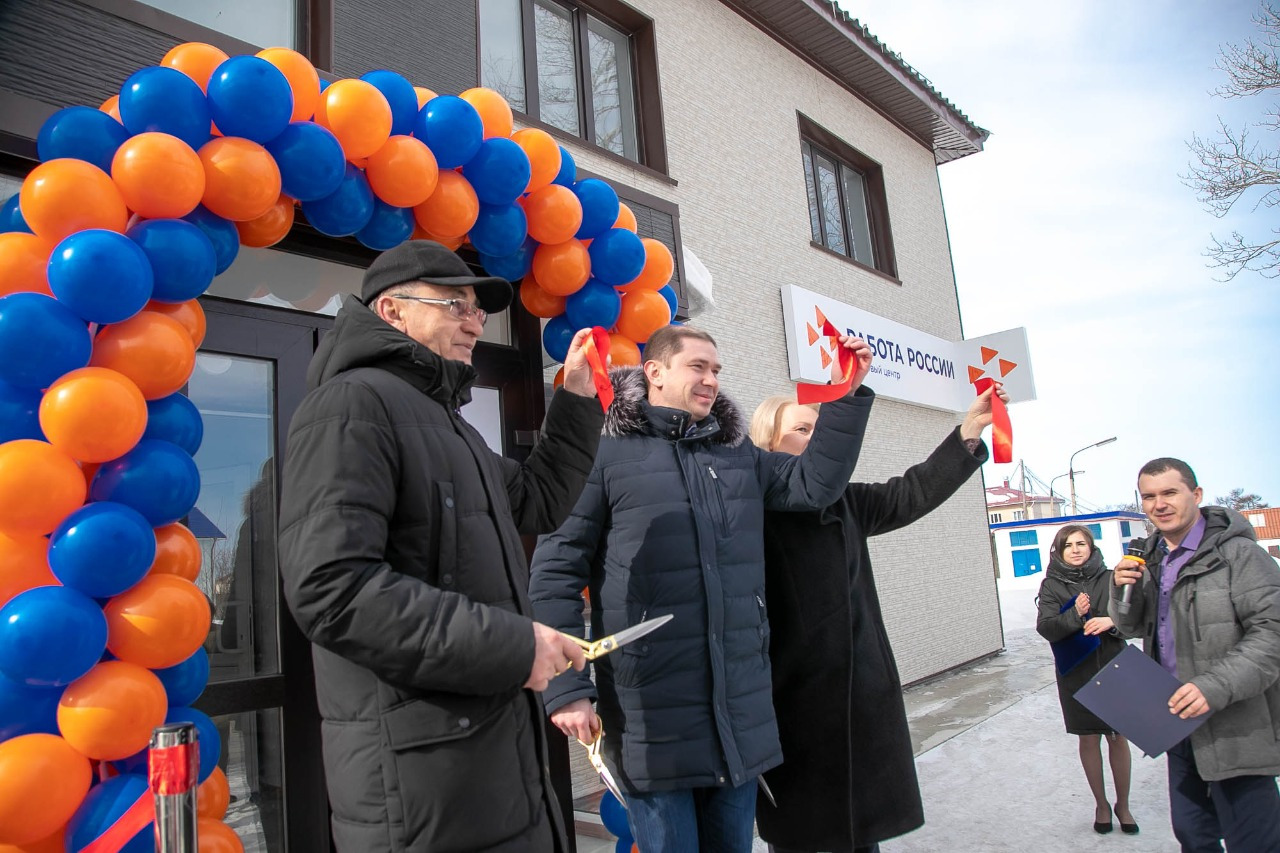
(847, 778)
(402, 562)
(671, 521)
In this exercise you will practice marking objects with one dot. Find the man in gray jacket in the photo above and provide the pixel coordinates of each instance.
(1207, 606)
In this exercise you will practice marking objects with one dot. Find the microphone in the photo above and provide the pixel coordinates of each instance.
(1137, 547)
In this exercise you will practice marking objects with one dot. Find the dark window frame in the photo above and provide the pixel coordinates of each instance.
(817, 140)
(650, 139)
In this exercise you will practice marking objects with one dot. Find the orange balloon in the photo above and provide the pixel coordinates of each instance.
(213, 836)
(495, 112)
(93, 414)
(64, 196)
(424, 94)
(39, 486)
(452, 209)
(158, 622)
(108, 713)
(188, 313)
(658, 267)
(537, 301)
(544, 156)
(197, 60)
(24, 564)
(177, 552)
(562, 268)
(623, 351)
(42, 781)
(24, 262)
(403, 172)
(55, 843)
(303, 79)
(242, 180)
(626, 218)
(450, 243)
(111, 106)
(358, 114)
(643, 313)
(154, 350)
(159, 176)
(559, 380)
(554, 214)
(213, 796)
(269, 228)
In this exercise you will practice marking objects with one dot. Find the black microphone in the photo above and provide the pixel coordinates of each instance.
(1136, 548)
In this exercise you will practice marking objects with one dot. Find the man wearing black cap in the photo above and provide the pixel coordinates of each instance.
(402, 562)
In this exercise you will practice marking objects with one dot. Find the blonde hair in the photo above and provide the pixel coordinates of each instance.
(766, 423)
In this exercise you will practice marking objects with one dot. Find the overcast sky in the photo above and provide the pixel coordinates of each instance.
(1073, 223)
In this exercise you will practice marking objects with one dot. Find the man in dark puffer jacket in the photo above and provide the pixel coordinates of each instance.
(402, 562)
(672, 521)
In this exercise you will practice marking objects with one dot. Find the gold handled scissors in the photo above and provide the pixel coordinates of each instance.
(613, 642)
(597, 761)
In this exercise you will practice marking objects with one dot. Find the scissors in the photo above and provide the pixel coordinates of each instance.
(613, 642)
(597, 761)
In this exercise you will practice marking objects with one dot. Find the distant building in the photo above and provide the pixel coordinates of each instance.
(1006, 504)
(1022, 547)
(1266, 526)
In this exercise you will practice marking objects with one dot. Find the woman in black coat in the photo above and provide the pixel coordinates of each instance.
(848, 779)
(1073, 601)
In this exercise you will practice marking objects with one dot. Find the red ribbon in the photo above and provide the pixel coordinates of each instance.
(808, 392)
(1001, 426)
(174, 769)
(134, 820)
(596, 349)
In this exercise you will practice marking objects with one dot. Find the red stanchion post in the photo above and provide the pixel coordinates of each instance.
(174, 765)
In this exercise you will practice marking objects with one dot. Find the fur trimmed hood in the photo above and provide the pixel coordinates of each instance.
(629, 413)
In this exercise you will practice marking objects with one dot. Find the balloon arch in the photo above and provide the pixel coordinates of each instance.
(134, 209)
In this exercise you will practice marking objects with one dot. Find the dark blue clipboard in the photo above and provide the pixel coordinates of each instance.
(1131, 694)
(1070, 651)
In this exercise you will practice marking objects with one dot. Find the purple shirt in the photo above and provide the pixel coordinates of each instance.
(1170, 566)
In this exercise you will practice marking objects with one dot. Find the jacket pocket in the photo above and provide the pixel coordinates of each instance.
(764, 625)
(447, 550)
(722, 509)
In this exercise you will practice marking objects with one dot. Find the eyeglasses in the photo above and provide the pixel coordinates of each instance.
(460, 308)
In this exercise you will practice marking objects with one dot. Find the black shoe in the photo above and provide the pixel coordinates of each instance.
(1102, 827)
(1128, 828)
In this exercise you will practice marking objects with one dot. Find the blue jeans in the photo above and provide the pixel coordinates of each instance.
(694, 820)
(1244, 811)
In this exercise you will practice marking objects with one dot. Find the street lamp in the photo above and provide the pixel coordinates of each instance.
(1052, 501)
(1071, 468)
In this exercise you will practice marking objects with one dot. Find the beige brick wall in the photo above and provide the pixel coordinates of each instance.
(730, 95)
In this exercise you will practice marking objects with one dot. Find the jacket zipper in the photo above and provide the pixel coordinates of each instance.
(1195, 614)
(764, 637)
(724, 511)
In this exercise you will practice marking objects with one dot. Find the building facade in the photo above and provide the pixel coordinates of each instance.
(1006, 504)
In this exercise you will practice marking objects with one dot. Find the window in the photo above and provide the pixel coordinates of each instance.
(1022, 538)
(266, 23)
(1258, 520)
(994, 518)
(1125, 532)
(1274, 550)
(1096, 530)
(1019, 515)
(1026, 562)
(848, 213)
(583, 70)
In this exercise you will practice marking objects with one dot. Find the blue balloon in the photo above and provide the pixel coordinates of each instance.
(556, 337)
(183, 258)
(249, 97)
(499, 172)
(101, 275)
(40, 339)
(11, 216)
(105, 804)
(614, 817)
(310, 159)
(594, 304)
(50, 636)
(102, 549)
(344, 211)
(388, 227)
(136, 763)
(568, 174)
(222, 235)
(599, 207)
(175, 419)
(400, 96)
(451, 128)
(514, 266)
(82, 133)
(165, 100)
(184, 682)
(19, 413)
(157, 478)
(27, 710)
(617, 256)
(669, 294)
(499, 229)
(210, 740)
(324, 84)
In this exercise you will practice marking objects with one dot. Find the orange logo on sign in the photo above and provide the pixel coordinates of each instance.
(1005, 366)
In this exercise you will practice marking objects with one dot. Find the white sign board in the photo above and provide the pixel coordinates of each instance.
(910, 365)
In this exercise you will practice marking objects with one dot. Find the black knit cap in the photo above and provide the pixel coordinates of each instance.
(426, 260)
